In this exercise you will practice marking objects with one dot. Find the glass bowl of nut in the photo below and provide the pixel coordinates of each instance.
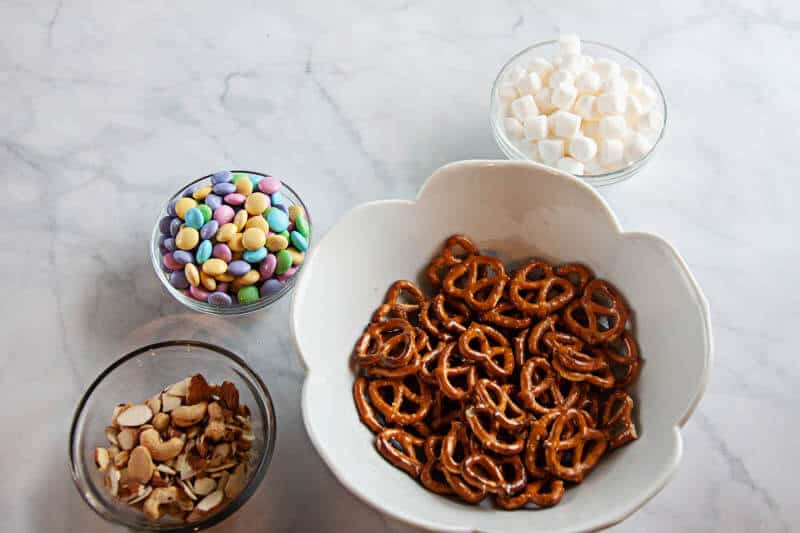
(174, 436)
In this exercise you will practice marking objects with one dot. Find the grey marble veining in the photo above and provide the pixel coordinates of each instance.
(108, 107)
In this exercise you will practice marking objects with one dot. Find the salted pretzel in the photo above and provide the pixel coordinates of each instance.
(481, 470)
(448, 258)
(402, 449)
(403, 300)
(546, 293)
(489, 432)
(577, 274)
(545, 492)
(542, 390)
(452, 314)
(572, 433)
(533, 455)
(506, 315)
(507, 413)
(394, 406)
(601, 377)
(479, 280)
(599, 301)
(483, 344)
(432, 476)
(623, 358)
(618, 423)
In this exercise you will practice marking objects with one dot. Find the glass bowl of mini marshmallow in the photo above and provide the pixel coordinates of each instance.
(583, 107)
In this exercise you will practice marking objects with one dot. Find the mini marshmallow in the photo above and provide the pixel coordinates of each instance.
(536, 127)
(647, 97)
(573, 63)
(617, 84)
(524, 106)
(529, 84)
(507, 92)
(569, 43)
(633, 105)
(606, 68)
(582, 148)
(564, 96)
(612, 126)
(513, 127)
(543, 100)
(651, 121)
(588, 82)
(530, 150)
(566, 124)
(541, 67)
(560, 77)
(591, 129)
(567, 164)
(516, 74)
(611, 151)
(551, 150)
(633, 77)
(584, 106)
(611, 104)
(637, 147)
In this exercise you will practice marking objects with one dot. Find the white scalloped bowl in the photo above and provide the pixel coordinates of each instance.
(513, 210)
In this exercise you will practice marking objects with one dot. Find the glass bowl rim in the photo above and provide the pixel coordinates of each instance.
(264, 401)
(204, 307)
(605, 178)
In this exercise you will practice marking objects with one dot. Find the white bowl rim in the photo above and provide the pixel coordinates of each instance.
(621, 514)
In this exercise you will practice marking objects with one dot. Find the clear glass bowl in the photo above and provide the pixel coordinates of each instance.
(138, 376)
(236, 309)
(548, 50)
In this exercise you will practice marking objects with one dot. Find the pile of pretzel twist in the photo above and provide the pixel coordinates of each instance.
(510, 385)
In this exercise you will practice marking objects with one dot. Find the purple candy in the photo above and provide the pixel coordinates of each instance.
(163, 225)
(170, 263)
(235, 198)
(290, 227)
(171, 207)
(238, 267)
(175, 226)
(267, 267)
(183, 257)
(178, 279)
(269, 185)
(223, 176)
(288, 274)
(270, 286)
(169, 244)
(189, 191)
(209, 229)
(213, 201)
(223, 188)
(223, 214)
(221, 251)
(220, 298)
(198, 293)
(161, 239)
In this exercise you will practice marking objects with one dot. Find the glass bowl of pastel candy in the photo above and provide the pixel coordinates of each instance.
(583, 107)
(231, 243)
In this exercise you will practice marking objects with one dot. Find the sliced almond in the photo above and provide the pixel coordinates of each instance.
(220, 468)
(180, 388)
(223, 479)
(221, 451)
(237, 481)
(140, 465)
(169, 403)
(111, 435)
(144, 492)
(101, 458)
(135, 416)
(164, 469)
(121, 459)
(154, 403)
(112, 481)
(117, 410)
(204, 486)
(127, 438)
(210, 501)
(187, 489)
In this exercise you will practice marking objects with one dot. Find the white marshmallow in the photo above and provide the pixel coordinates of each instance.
(647, 96)
(530, 150)
(612, 126)
(566, 124)
(651, 121)
(591, 129)
(584, 106)
(564, 96)
(513, 127)
(617, 84)
(573, 63)
(516, 74)
(582, 148)
(611, 104)
(543, 100)
(559, 77)
(592, 167)
(524, 106)
(506, 92)
(567, 164)
(529, 84)
(551, 150)
(536, 128)
(606, 68)
(569, 43)
(588, 61)
(637, 147)
(540, 66)
(611, 151)
(588, 82)
(633, 105)
(633, 77)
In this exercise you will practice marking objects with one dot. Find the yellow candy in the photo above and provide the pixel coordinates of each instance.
(276, 243)
(224, 278)
(192, 274)
(244, 186)
(294, 211)
(201, 193)
(247, 279)
(215, 267)
(254, 238)
(187, 238)
(183, 205)
(240, 219)
(235, 244)
(209, 283)
(297, 256)
(256, 203)
(258, 221)
(226, 232)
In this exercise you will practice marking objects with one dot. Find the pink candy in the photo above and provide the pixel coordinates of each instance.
(223, 214)
(269, 185)
(221, 251)
(235, 198)
(198, 294)
(170, 263)
(267, 267)
(288, 274)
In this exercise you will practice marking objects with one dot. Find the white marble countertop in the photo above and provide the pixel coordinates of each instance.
(107, 107)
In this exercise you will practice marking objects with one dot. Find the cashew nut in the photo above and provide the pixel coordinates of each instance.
(160, 450)
(189, 415)
(215, 430)
(158, 497)
(161, 421)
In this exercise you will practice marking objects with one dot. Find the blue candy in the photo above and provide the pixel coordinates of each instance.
(183, 257)
(254, 256)
(209, 229)
(213, 201)
(169, 244)
(255, 180)
(299, 241)
(271, 286)
(220, 298)
(203, 253)
(194, 218)
(178, 280)
(223, 176)
(224, 188)
(175, 226)
(277, 220)
(238, 267)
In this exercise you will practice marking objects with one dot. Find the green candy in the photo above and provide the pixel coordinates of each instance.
(301, 225)
(286, 234)
(206, 212)
(267, 210)
(247, 295)
(238, 177)
(284, 262)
